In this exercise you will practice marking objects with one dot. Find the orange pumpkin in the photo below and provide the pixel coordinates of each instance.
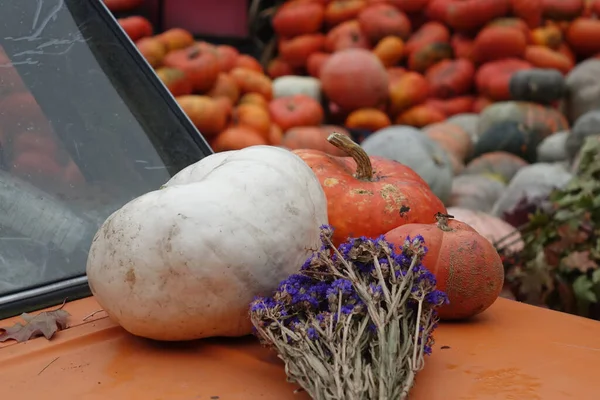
(198, 63)
(176, 38)
(237, 138)
(315, 62)
(472, 14)
(295, 51)
(428, 55)
(409, 90)
(254, 98)
(250, 81)
(515, 23)
(451, 78)
(275, 135)
(529, 11)
(339, 11)
(545, 57)
(225, 87)
(278, 67)
(409, 6)
(371, 119)
(136, 27)
(436, 10)
(295, 18)
(466, 265)
(227, 57)
(248, 62)
(175, 80)
(254, 117)
(152, 49)
(493, 77)
(394, 73)
(550, 36)
(562, 9)
(452, 106)
(583, 36)
(205, 114)
(420, 116)
(354, 78)
(314, 138)
(368, 196)
(389, 50)
(498, 42)
(462, 46)
(566, 51)
(380, 20)
(430, 32)
(346, 35)
(296, 110)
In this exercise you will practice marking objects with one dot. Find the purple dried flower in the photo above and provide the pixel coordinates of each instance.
(364, 287)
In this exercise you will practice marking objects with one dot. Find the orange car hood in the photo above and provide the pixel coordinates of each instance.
(512, 351)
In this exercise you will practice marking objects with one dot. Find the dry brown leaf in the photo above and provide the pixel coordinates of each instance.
(46, 324)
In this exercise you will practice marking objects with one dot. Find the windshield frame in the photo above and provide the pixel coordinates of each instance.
(54, 293)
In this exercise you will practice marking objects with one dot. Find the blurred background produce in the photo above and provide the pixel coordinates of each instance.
(489, 101)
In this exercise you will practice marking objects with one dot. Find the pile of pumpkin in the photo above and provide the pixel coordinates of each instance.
(487, 100)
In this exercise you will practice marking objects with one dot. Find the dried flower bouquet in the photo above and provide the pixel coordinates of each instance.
(356, 322)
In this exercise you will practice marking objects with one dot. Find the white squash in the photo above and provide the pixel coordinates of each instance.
(185, 261)
(290, 85)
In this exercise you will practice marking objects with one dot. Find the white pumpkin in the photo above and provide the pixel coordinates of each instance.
(185, 261)
(290, 85)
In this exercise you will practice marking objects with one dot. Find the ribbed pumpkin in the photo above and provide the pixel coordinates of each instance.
(368, 196)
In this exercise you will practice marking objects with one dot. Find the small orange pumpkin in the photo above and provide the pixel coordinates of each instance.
(205, 113)
(198, 63)
(295, 51)
(175, 80)
(250, 81)
(466, 265)
(278, 67)
(296, 110)
(339, 11)
(545, 57)
(225, 86)
(420, 116)
(237, 138)
(389, 50)
(176, 38)
(408, 90)
(296, 18)
(371, 119)
(254, 117)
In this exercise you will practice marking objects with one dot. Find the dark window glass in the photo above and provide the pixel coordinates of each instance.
(85, 126)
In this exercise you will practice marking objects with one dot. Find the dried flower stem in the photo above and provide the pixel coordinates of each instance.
(354, 325)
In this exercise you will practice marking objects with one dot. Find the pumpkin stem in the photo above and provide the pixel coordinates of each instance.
(364, 168)
(442, 221)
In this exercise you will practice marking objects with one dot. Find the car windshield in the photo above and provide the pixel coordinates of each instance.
(85, 126)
